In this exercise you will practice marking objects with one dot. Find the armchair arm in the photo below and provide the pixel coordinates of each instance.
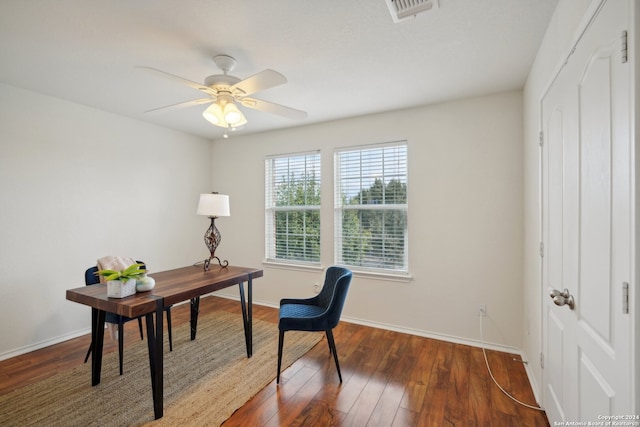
(304, 301)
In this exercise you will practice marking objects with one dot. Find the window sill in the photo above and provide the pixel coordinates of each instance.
(387, 277)
(292, 265)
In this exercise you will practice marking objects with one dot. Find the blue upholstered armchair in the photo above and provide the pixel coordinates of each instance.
(319, 313)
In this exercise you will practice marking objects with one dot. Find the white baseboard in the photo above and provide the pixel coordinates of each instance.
(42, 344)
(410, 331)
(534, 384)
(433, 335)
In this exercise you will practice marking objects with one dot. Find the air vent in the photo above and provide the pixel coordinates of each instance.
(404, 9)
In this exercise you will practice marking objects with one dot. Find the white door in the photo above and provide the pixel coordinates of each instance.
(586, 223)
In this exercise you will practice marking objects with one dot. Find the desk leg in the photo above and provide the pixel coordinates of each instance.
(250, 324)
(97, 338)
(156, 362)
(195, 310)
(247, 315)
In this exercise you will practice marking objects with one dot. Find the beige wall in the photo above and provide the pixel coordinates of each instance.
(78, 184)
(465, 216)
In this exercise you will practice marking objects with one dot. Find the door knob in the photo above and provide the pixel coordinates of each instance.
(562, 298)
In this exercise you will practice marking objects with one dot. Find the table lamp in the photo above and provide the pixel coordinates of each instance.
(213, 205)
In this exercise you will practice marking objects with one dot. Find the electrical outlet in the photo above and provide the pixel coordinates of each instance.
(482, 310)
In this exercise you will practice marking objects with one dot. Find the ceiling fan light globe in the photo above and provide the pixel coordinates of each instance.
(232, 118)
(232, 115)
(213, 114)
(210, 118)
(239, 124)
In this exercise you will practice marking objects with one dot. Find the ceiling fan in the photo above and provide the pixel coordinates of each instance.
(225, 92)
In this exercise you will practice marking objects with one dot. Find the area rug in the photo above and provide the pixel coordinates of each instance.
(205, 380)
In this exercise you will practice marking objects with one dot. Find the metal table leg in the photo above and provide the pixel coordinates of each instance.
(247, 315)
(97, 339)
(156, 357)
(195, 310)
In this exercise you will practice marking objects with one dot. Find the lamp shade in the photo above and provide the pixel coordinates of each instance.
(214, 205)
(214, 114)
(232, 115)
(224, 115)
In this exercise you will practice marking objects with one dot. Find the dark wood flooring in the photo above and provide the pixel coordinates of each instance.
(389, 379)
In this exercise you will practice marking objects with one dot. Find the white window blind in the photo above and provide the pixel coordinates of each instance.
(371, 207)
(292, 208)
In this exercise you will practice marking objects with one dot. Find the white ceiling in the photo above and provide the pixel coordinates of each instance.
(341, 58)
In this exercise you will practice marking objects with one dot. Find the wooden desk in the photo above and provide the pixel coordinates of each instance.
(173, 286)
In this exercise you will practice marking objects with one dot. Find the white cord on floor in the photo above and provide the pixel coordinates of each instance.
(484, 352)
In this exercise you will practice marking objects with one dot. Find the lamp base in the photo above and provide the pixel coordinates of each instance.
(207, 262)
(212, 239)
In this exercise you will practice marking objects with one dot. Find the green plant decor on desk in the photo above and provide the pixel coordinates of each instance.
(132, 272)
(122, 283)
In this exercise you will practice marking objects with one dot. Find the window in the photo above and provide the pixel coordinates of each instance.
(371, 207)
(292, 211)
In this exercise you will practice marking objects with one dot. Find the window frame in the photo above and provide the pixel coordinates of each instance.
(340, 207)
(272, 208)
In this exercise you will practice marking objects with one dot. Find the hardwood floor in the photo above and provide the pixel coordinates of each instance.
(389, 379)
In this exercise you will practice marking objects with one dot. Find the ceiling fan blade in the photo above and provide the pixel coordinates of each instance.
(263, 80)
(200, 101)
(270, 107)
(179, 79)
